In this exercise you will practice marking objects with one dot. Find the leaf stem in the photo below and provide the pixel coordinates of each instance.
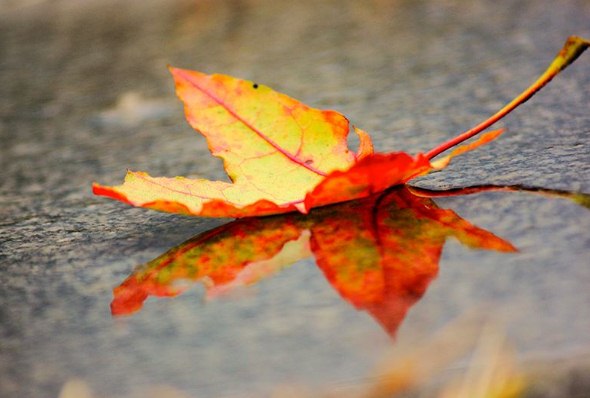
(583, 199)
(573, 47)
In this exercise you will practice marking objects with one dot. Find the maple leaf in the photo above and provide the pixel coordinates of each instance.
(282, 155)
(379, 253)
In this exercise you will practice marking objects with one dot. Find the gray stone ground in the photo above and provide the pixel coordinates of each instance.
(85, 94)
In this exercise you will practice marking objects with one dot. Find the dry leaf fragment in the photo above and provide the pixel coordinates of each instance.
(282, 155)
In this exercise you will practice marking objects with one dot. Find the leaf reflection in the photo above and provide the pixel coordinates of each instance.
(380, 254)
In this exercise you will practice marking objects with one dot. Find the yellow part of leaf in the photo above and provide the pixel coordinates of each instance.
(269, 142)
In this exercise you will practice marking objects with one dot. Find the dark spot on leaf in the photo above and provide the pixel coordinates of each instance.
(309, 161)
(255, 85)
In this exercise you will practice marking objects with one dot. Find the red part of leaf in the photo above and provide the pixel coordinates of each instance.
(379, 253)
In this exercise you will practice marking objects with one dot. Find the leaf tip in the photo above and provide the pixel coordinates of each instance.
(172, 69)
(365, 144)
(179, 75)
(98, 189)
(508, 248)
(302, 207)
(443, 162)
(110, 192)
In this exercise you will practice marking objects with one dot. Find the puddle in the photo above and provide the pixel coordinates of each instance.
(380, 254)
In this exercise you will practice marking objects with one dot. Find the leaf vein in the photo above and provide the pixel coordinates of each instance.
(250, 126)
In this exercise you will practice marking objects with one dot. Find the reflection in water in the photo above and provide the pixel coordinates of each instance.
(379, 253)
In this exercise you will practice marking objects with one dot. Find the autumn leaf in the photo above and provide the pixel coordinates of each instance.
(379, 253)
(282, 155)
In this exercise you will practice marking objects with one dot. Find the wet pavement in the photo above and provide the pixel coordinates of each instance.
(85, 94)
